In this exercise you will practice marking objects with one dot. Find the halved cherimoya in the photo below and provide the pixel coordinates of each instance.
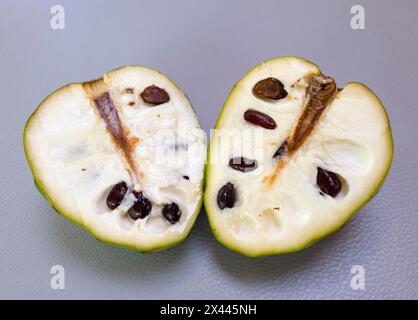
(122, 155)
(293, 157)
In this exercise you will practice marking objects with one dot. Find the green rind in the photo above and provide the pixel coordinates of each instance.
(251, 254)
(62, 212)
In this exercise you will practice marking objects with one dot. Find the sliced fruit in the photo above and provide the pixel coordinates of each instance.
(317, 154)
(111, 154)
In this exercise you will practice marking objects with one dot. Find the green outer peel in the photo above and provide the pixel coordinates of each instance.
(41, 188)
(314, 239)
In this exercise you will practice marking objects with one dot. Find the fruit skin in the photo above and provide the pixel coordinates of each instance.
(378, 186)
(41, 188)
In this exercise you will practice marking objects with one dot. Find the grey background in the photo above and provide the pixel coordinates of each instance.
(206, 46)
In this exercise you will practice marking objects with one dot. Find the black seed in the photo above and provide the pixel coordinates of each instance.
(171, 212)
(116, 195)
(226, 196)
(328, 182)
(186, 177)
(270, 88)
(243, 164)
(141, 207)
(281, 151)
(155, 95)
(260, 119)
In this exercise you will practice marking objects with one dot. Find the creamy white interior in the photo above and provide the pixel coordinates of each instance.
(75, 160)
(352, 139)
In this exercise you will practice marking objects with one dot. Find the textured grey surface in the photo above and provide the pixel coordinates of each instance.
(206, 46)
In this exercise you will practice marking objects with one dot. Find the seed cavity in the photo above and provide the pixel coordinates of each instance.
(243, 164)
(116, 195)
(226, 196)
(171, 212)
(178, 147)
(129, 90)
(270, 88)
(260, 119)
(141, 207)
(155, 95)
(328, 182)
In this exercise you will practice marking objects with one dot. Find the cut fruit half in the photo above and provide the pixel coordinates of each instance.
(123, 156)
(293, 158)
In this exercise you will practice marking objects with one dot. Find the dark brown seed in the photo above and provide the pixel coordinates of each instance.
(131, 103)
(260, 119)
(226, 196)
(281, 151)
(270, 88)
(155, 95)
(141, 207)
(171, 212)
(129, 90)
(186, 177)
(243, 164)
(116, 195)
(328, 182)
